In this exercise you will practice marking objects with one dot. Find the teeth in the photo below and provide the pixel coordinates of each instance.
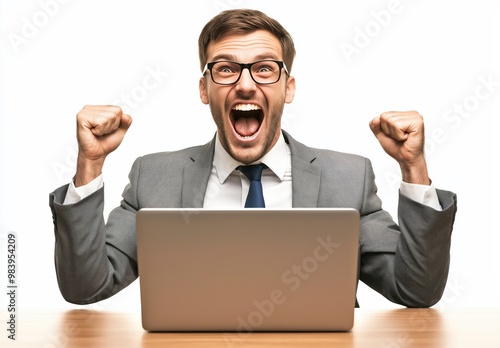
(246, 107)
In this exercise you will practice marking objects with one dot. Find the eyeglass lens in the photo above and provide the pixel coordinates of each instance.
(264, 72)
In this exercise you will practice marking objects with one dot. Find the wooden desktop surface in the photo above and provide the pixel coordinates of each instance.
(392, 328)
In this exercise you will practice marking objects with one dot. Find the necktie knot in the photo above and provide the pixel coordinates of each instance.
(253, 172)
(255, 198)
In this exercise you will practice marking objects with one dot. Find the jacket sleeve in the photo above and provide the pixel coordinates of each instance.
(407, 262)
(95, 259)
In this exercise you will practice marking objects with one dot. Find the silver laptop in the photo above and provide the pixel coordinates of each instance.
(247, 270)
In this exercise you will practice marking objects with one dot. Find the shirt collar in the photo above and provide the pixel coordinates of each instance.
(275, 160)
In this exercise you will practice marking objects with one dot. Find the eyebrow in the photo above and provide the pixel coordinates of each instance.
(232, 57)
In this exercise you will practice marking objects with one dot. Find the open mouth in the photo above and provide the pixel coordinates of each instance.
(246, 119)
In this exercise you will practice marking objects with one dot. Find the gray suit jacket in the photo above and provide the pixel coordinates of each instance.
(408, 264)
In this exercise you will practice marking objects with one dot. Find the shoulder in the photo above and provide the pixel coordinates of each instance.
(177, 157)
(325, 157)
(332, 155)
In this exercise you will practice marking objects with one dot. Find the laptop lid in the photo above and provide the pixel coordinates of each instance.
(247, 270)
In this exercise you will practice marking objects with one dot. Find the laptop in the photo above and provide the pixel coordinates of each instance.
(247, 270)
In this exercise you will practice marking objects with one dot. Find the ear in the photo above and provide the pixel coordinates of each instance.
(203, 91)
(290, 90)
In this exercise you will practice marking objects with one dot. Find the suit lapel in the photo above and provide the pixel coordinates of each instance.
(195, 176)
(305, 175)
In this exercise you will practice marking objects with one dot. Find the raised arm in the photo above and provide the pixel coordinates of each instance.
(91, 265)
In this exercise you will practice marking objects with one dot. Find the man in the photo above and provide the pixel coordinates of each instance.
(246, 60)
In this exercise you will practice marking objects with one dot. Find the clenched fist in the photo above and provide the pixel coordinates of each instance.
(100, 130)
(401, 134)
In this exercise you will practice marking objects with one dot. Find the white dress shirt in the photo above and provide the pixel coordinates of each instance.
(227, 187)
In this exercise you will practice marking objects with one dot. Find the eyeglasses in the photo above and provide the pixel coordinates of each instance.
(263, 72)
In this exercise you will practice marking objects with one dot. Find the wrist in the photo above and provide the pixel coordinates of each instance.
(87, 170)
(415, 173)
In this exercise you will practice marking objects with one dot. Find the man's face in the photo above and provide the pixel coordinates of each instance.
(247, 114)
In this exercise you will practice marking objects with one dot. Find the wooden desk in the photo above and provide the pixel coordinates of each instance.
(393, 328)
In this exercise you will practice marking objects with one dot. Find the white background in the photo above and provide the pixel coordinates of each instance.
(430, 56)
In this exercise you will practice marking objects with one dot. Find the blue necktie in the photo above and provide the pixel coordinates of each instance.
(255, 198)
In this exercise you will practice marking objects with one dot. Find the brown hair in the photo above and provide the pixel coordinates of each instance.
(244, 21)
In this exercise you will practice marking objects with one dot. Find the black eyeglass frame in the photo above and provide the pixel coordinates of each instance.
(281, 65)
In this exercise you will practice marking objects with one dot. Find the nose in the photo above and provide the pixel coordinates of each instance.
(245, 83)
